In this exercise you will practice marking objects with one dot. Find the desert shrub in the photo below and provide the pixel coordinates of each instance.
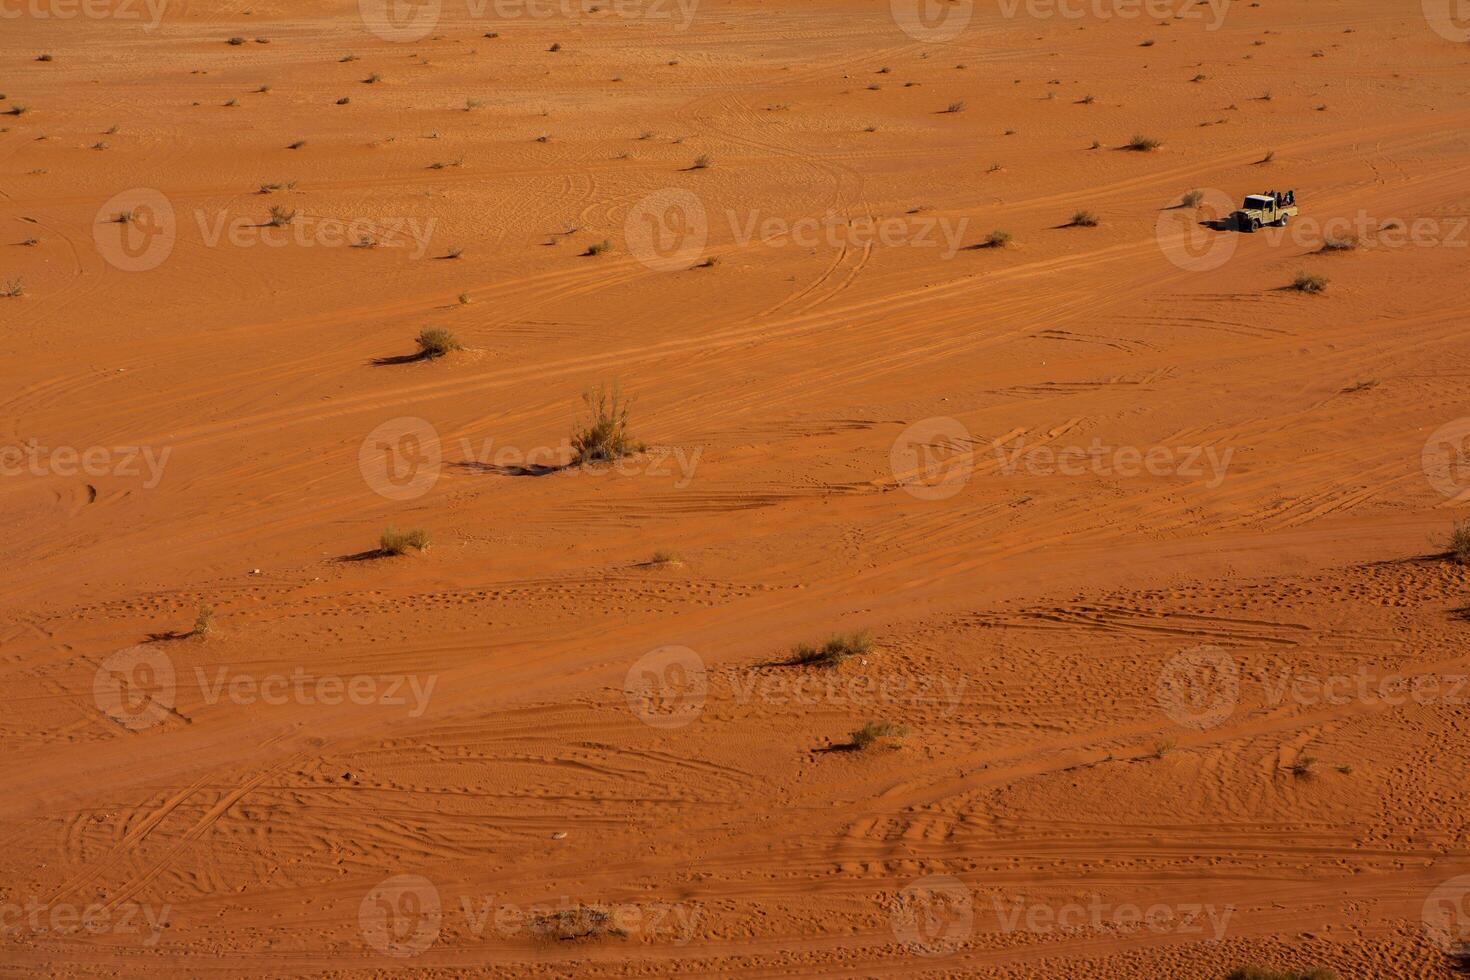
(581, 922)
(1192, 198)
(237, 41)
(664, 557)
(44, 57)
(298, 144)
(395, 542)
(1086, 100)
(958, 106)
(13, 288)
(868, 736)
(436, 342)
(1459, 542)
(597, 248)
(203, 620)
(1304, 766)
(1270, 155)
(1163, 747)
(703, 162)
(834, 651)
(997, 239)
(281, 217)
(605, 434)
(1142, 144)
(1339, 243)
(1084, 219)
(1306, 282)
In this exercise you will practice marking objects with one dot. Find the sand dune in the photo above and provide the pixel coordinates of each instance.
(1132, 530)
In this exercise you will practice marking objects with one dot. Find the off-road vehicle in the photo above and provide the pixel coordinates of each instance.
(1265, 209)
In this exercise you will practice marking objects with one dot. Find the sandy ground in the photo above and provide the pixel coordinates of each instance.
(1150, 546)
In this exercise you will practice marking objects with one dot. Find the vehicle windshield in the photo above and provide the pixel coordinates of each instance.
(1259, 201)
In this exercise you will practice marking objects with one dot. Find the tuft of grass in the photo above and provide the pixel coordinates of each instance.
(1192, 199)
(1305, 766)
(1142, 144)
(580, 922)
(1086, 100)
(1084, 219)
(436, 342)
(703, 162)
(280, 216)
(597, 248)
(958, 106)
(838, 648)
(464, 299)
(1148, 43)
(662, 557)
(1339, 243)
(236, 41)
(866, 737)
(1306, 282)
(1270, 155)
(604, 434)
(13, 288)
(17, 110)
(203, 621)
(1459, 542)
(44, 57)
(1261, 973)
(556, 46)
(1163, 747)
(298, 144)
(996, 239)
(454, 253)
(395, 542)
(372, 79)
(344, 100)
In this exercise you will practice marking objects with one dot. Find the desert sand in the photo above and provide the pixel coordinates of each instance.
(1146, 547)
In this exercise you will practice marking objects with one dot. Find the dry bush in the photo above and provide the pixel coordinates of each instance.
(436, 342)
(395, 542)
(838, 648)
(867, 736)
(605, 434)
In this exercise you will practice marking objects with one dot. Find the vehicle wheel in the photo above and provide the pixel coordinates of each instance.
(1255, 224)
(1284, 219)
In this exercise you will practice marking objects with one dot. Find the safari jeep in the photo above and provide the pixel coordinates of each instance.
(1262, 209)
